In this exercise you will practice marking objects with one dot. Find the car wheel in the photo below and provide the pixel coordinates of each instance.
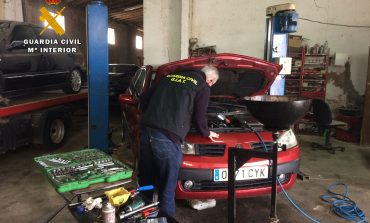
(55, 131)
(74, 82)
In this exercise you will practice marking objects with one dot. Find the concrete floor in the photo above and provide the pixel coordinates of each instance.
(26, 195)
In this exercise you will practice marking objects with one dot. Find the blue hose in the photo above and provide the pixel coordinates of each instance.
(342, 205)
(294, 205)
(281, 186)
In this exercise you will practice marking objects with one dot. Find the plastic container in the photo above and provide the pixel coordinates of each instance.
(118, 196)
(80, 169)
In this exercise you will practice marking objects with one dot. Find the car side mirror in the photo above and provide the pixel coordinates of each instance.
(127, 99)
(17, 44)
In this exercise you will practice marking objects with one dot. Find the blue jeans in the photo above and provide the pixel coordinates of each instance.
(159, 162)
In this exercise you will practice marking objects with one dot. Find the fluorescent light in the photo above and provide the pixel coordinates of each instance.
(111, 37)
(132, 8)
(139, 42)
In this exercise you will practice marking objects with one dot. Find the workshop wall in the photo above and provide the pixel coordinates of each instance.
(11, 10)
(162, 23)
(239, 27)
(123, 51)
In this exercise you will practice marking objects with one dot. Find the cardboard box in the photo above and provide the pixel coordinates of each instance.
(294, 44)
(295, 41)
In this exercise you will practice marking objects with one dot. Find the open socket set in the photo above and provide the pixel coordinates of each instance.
(79, 169)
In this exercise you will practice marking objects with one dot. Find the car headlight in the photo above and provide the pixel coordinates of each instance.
(288, 139)
(188, 148)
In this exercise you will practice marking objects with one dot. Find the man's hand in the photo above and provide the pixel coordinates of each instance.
(213, 135)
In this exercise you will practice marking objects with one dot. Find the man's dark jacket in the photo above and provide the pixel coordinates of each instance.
(169, 106)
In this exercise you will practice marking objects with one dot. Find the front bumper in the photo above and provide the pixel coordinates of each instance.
(206, 188)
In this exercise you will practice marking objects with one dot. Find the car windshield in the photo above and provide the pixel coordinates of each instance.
(3, 27)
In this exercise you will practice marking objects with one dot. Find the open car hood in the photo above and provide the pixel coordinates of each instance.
(240, 75)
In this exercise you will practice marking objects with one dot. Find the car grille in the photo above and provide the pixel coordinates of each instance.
(245, 184)
(259, 146)
(210, 149)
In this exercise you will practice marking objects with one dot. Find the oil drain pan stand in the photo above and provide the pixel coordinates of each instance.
(277, 113)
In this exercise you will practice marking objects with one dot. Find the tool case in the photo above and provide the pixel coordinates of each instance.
(79, 169)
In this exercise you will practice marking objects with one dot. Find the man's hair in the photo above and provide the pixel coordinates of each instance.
(211, 72)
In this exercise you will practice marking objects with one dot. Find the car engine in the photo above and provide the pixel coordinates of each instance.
(228, 115)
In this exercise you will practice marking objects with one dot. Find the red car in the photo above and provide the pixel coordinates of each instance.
(203, 172)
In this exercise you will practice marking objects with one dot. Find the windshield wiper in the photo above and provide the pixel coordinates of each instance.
(228, 104)
(229, 129)
(232, 113)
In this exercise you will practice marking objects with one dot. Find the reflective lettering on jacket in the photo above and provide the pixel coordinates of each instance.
(181, 79)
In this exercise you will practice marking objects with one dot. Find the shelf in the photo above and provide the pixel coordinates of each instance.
(294, 87)
(315, 64)
(309, 78)
(312, 91)
(320, 94)
(305, 90)
(316, 55)
(312, 73)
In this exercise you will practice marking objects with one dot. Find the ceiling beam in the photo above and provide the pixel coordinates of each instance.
(129, 12)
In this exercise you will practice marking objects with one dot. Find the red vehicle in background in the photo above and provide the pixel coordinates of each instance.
(203, 173)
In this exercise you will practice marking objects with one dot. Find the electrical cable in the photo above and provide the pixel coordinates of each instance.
(342, 205)
(334, 24)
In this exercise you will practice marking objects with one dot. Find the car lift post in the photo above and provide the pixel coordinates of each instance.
(281, 20)
(97, 54)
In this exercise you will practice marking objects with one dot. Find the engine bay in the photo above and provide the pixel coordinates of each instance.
(228, 115)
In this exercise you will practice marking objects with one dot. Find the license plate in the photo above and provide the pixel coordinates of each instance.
(243, 173)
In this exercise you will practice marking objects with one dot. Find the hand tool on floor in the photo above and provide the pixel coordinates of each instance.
(126, 215)
(139, 189)
(136, 203)
(148, 213)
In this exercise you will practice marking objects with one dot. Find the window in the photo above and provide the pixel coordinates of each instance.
(59, 19)
(139, 42)
(111, 36)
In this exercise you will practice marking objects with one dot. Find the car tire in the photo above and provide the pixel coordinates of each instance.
(55, 131)
(74, 82)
